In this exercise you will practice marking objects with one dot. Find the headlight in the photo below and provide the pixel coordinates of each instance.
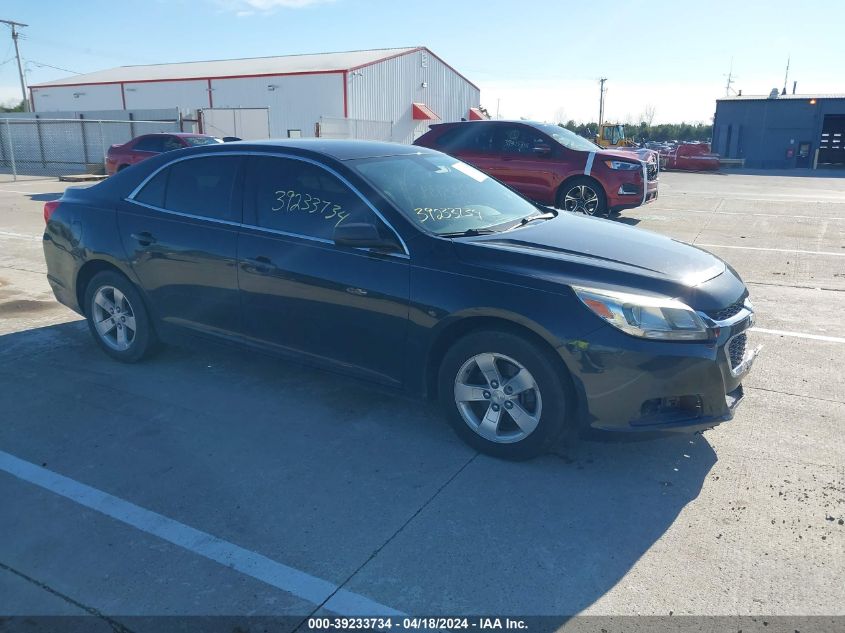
(646, 317)
(623, 165)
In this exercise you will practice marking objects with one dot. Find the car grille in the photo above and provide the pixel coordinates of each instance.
(726, 313)
(736, 350)
(651, 170)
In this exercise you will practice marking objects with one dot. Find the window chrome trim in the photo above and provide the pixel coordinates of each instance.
(242, 225)
(185, 215)
(131, 197)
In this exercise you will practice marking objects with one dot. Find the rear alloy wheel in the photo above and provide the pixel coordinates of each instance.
(582, 195)
(117, 317)
(504, 395)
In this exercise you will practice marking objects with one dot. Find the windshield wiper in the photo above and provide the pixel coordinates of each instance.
(468, 233)
(546, 215)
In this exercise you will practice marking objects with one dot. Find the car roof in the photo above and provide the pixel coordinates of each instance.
(180, 134)
(337, 149)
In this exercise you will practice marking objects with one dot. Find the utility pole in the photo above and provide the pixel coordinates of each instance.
(601, 100)
(786, 77)
(730, 79)
(15, 34)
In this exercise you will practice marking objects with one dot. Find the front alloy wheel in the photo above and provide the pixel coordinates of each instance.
(490, 384)
(582, 199)
(498, 398)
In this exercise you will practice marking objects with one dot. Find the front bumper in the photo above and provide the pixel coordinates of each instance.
(628, 195)
(632, 384)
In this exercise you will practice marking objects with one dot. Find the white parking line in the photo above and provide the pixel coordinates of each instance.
(762, 215)
(813, 337)
(314, 590)
(774, 250)
(26, 193)
(19, 236)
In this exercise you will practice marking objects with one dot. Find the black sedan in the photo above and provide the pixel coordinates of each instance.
(407, 267)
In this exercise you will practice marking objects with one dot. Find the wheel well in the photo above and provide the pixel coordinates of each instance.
(569, 180)
(86, 274)
(123, 166)
(465, 326)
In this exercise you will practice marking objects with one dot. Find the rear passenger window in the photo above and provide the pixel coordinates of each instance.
(150, 144)
(468, 138)
(301, 198)
(203, 186)
(153, 191)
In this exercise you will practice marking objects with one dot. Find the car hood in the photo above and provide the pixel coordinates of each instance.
(576, 249)
(636, 153)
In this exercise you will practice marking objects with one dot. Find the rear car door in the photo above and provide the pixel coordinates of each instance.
(473, 144)
(180, 231)
(303, 293)
(146, 147)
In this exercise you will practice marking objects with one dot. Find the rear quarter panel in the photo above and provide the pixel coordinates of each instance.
(82, 229)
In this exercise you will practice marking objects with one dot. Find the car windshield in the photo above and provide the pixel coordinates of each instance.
(444, 195)
(566, 138)
(200, 140)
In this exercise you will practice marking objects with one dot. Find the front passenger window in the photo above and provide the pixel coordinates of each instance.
(301, 198)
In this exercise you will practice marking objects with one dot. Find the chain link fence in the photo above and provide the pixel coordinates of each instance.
(56, 147)
(329, 127)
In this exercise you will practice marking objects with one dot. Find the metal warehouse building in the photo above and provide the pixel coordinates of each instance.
(781, 131)
(389, 94)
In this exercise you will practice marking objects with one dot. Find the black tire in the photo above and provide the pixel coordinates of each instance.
(555, 395)
(142, 340)
(571, 187)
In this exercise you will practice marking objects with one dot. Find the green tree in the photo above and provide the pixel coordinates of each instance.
(7, 107)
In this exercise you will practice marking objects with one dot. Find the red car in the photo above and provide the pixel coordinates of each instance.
(148, 145)
(690, 157)
(550, 164)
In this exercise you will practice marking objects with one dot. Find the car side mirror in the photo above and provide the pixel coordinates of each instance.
(363, 235)
(541, 149)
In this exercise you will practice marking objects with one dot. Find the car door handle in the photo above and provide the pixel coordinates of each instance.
(357, 291)
(261, 264)
(144, 238)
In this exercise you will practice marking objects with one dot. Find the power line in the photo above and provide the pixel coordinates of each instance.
(42, 64)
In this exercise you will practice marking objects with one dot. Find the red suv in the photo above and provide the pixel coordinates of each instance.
(142, 147)
(550, 164)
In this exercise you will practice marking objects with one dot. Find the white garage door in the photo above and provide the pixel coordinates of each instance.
(245, 123)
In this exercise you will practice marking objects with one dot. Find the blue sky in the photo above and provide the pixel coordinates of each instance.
(533, 58)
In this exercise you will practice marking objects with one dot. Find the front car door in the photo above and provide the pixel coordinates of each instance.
(180, 231)
(302, 293)
(521, 166)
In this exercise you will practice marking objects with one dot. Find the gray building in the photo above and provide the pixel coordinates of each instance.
(781, 131)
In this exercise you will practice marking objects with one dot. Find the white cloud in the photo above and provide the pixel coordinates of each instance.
(245, 8)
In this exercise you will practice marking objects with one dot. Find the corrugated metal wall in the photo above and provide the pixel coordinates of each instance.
(79, 98)
(386, 91)
(164, 94)
(296, 102)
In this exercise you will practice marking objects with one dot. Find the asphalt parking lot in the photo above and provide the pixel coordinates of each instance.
(213, 481)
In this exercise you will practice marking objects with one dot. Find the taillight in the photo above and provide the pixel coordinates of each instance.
(49, 208)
